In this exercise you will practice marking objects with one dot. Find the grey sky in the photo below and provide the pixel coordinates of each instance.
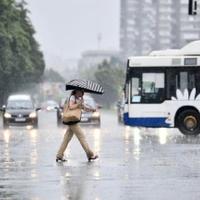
(65, 28)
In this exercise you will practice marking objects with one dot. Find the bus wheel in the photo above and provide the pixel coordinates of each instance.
(188, 122)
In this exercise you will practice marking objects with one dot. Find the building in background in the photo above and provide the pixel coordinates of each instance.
(137, 31)
(95, 57)
(188, 27)
(147, 25)
(90, 60)
(165, 22)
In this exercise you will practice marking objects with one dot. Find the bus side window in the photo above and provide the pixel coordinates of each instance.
(172, 83)
(197, 78)
(181, 79)
(135, 90)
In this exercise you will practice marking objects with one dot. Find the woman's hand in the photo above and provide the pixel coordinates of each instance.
(80, 104)
(74, 105)
(93, 110)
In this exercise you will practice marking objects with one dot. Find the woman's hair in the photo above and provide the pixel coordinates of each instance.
(74, 92)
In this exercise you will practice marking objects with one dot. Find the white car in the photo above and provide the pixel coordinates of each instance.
(50, 105)
(91, 117)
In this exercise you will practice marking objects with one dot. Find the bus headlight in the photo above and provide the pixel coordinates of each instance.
(7, 115)
(33, 115)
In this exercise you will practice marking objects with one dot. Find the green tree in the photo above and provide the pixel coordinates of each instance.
(21, 61)
(53, 76)
(111, 76)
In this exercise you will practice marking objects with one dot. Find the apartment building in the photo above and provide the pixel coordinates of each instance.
(187, 27)
(136, 30)
(147, 25)
(164, 24)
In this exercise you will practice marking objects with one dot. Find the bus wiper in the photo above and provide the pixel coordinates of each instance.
(23, 108)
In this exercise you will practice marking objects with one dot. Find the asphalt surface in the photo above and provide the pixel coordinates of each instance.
(134, 163)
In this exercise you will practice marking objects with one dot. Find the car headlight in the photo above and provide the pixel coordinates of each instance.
(33, 115)
(96, 114)
(48, 108)
(7, 115)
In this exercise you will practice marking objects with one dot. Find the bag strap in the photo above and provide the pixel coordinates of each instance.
(67, 107)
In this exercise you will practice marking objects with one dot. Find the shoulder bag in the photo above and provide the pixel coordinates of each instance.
(71, 116)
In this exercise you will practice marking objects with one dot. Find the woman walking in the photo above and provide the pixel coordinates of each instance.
(75, 102)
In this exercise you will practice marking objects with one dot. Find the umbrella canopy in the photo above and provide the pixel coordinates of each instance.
(86, 85)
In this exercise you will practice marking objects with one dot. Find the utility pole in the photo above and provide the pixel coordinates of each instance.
(192, 7)
(99, 39)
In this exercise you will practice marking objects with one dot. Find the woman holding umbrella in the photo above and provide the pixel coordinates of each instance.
(76, 102)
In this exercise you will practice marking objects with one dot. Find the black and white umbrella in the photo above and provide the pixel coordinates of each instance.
(86, 85)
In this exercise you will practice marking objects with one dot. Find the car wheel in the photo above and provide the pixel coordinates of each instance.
(98, 123)
(5, 125)
(35, 124)
(188, 122)
(59, 122)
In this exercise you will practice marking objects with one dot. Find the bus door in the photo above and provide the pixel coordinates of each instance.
(147, 98)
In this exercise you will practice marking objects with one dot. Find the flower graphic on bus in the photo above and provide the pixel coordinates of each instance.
(185, 96)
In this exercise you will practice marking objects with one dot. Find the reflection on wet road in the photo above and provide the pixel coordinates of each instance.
(134, 163)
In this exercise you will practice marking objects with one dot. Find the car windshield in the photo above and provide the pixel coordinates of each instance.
(90, 102)
(51, 103)
(62, 102)
(20, 104)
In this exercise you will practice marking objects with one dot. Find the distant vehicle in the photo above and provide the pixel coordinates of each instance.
(20, 110)
(163, 90)
(120, 110)
(60, 111)
(50, 105)
(91, 117)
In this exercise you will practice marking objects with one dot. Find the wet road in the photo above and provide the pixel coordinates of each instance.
(134, 163)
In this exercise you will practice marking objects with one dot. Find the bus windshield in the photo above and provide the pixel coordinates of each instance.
(147, 87)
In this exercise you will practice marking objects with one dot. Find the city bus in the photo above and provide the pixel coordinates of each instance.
(163, 89)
